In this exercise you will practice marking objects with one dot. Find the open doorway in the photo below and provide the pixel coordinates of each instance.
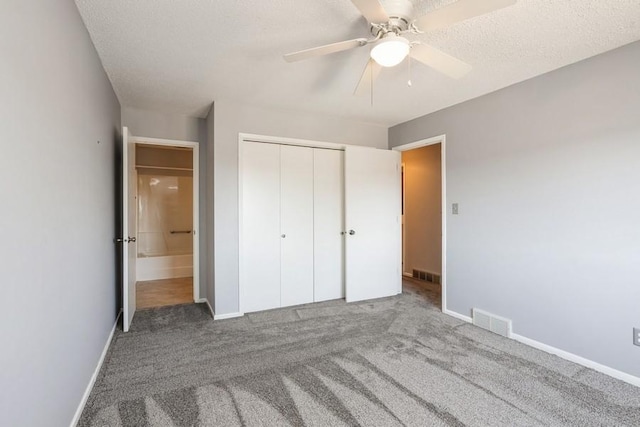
(164, 216)
(423, 219)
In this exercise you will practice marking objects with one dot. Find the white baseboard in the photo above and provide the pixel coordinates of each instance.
(227, 316)
(623, 376)
(94, 377)
(206, 301)
(457, 315)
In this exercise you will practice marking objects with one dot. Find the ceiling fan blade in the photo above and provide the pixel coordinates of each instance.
(324, 50)
(459, 11)
(372, 10)
(440, 61)
(369, 75)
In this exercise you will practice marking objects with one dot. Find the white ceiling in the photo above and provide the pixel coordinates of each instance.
(179, 56)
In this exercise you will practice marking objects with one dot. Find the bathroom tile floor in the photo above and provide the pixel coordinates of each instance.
(160, 293)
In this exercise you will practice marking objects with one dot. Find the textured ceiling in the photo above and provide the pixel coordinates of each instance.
(179, 56)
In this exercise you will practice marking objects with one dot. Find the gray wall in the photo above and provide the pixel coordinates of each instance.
(152, 124)
(58, 289)
(231, 119)
(546, 173)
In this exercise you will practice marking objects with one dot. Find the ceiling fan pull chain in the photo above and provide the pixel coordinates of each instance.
(409, 70)
(371, 79)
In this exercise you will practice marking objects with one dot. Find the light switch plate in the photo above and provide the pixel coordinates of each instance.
(636, 336)
(454, 209)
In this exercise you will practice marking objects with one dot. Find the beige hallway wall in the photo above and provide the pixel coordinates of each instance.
(422, 209)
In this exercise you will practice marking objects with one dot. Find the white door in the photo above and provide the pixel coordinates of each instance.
(260, 207)
(129, 229)
(296, 225)
(328, 224)
(372, 218)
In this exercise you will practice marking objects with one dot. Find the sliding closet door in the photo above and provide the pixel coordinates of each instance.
(296, 225)
(372, 216)
(328, 224)
(260, 210)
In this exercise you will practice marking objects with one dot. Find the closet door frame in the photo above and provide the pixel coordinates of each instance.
(246, 137)
(242, 137)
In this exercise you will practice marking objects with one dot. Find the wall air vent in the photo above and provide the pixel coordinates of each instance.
(491, 322)
(426, 276)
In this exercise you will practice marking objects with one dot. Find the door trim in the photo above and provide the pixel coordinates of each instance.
(249, 137)
(195, 146)
(440, 139)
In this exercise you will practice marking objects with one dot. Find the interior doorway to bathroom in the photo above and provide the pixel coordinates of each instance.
(164, 205)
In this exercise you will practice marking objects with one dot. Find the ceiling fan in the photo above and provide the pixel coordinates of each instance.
(390, 47)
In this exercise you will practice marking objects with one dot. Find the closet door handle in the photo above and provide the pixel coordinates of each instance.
(352, 232)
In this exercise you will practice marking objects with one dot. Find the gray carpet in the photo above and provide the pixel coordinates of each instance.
(389, 362)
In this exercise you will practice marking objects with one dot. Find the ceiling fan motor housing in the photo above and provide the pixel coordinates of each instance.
(400, 18)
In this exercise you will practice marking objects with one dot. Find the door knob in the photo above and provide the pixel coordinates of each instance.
(352, 232)
(118, 240)
(131, 240)
(283, 236)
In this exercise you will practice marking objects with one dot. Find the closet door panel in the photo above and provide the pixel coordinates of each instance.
(296, 225)
(372, 218)
(260, 256)
(328, 206)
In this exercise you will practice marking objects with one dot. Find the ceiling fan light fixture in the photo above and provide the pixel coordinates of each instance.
(390, 50)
